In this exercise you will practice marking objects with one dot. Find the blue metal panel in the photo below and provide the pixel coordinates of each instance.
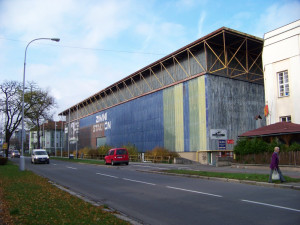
(138, 122)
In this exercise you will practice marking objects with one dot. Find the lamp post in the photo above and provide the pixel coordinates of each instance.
(22, 160)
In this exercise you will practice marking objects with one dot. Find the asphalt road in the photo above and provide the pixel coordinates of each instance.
(161, 199)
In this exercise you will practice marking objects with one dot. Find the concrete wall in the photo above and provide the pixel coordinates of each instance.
(282, 52)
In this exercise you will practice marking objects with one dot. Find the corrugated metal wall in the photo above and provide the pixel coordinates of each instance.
(197, 114)
(173, 118)
(179, 117)
(138, 122)
(232, 105)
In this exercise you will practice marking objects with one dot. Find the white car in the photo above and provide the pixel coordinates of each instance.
(39, 156)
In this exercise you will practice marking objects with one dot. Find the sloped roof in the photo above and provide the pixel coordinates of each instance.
(273, 130)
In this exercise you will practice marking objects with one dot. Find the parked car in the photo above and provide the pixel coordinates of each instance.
(2, 153)
(39, 156)
(117, 156)
(15, 154)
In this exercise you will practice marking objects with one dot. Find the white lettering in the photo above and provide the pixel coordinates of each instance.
(101, 123)
(101, 118)
(108, 125)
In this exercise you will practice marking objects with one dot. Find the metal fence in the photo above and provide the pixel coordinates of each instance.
(132, 158)
(285, 158)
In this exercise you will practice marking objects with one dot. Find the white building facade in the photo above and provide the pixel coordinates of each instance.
(51, 137)
(281, 63)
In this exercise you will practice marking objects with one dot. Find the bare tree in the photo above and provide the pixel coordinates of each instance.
(37, 105)
(11, 107)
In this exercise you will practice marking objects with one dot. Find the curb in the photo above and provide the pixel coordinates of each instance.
(114, 212)
(249, 182)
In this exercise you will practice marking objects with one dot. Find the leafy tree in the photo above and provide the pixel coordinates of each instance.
(41, 104)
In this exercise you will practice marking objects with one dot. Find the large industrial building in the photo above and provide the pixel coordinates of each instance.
(194, 101)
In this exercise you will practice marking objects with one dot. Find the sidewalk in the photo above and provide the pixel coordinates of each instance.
(291, 171)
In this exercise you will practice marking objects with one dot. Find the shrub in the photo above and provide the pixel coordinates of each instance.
(294, 147)
(250, 146)
(276, 143)
(239, 148)
(132, 149)
(161, 152)
(257, 145)
(86, 151)
(3, 160)
(103, 149)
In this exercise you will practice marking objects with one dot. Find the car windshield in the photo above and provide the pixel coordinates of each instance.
(40, 153)
(16, 151)
(121, 152)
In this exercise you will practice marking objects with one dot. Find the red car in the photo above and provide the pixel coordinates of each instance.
(117, 156)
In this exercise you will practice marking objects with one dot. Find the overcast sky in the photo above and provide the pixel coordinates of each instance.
(103, 41)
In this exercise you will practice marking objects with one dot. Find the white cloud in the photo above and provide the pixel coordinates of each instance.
(278, 15)
(188, 4)
(200, 24)
(33, 18)
(105, 20)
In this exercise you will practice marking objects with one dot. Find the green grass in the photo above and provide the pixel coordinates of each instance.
(88, 161)
(30, 199)
(238, 176)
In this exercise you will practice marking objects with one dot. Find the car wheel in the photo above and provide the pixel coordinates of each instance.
(48, 162)
(112, 163)
(127, 163)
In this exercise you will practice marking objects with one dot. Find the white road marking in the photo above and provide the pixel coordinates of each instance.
(54, 164)
(73, 168)
(137, 181)
(151, 167)
(276, 206)
(102, 174)
(198, 192)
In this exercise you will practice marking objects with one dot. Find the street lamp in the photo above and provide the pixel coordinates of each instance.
(22, 160)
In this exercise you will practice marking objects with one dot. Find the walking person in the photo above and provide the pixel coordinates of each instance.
(274, 165)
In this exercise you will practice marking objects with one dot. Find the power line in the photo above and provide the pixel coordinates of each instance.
(92, 49)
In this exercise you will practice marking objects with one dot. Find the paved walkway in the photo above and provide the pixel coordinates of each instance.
(291, 171)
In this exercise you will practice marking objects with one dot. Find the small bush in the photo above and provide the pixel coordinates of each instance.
(3, 161)
(103, 149)
(294, 147)
(239, 148)
(159, 153)
(132, 149)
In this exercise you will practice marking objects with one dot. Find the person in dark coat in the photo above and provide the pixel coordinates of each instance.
(274, 165)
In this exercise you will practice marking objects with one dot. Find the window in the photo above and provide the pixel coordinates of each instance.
(283, 81)
(286, 119)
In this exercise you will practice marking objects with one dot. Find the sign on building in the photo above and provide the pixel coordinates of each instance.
(218, 134)
(222, 144)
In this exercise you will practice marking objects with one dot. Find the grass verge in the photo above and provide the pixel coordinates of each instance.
(27, 198)
(237, 176)
(88, 161)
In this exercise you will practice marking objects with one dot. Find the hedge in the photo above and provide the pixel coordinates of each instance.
(257, 145)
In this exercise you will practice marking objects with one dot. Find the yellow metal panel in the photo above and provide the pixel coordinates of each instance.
(202, 113)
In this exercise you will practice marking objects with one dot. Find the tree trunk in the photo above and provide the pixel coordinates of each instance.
(7, 140)
(38, 136)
